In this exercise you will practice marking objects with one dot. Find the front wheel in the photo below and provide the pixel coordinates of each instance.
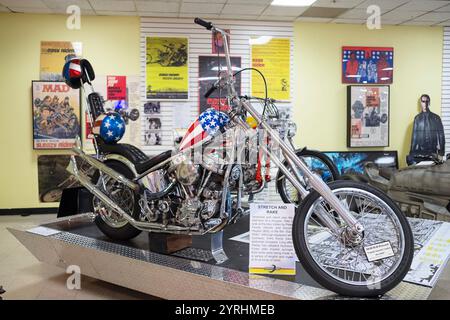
(316, 162)
(361, 265)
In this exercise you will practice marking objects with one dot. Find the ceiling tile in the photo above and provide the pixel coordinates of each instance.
(337, 4)
(157, 6)
(324, 12)
(205, 1)
(277, 18)
(241, 16)
(418, 23)
(243, 9)
(399, 14)
(284, 11)
(309, 19)
(113, 5)
(444, 9)
(63, 4)
(31, 10)
(434, 16)
(385, 5)
(86, 12)
(421, 5)
(391, 22)
(445, 23)
(23, 3)
(350, 21)
(355, 14)
(116, 13)
(194, 15)
(189, 7)
(260, 2)
(158, 14)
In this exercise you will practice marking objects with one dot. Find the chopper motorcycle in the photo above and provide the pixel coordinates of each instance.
(350, 237)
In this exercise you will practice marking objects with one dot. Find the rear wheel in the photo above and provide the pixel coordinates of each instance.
(317, 162)
(362, 265)
(111, 223)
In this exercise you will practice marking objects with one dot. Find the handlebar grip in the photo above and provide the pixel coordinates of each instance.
(203, 23)
(210, 91)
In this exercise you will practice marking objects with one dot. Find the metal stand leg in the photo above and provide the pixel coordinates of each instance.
(217, 247)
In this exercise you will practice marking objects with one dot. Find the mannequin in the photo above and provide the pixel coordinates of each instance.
(428, 133)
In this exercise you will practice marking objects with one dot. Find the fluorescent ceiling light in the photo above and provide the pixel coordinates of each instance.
(292, 3)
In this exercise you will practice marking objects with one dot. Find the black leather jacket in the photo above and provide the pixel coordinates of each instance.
(428, 134)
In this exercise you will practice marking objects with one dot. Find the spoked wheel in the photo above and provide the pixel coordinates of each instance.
(108, 221)
(316, 162)
(361, 265)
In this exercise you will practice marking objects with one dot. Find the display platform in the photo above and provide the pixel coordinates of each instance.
(189, 274)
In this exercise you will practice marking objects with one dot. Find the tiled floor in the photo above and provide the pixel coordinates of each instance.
(24, 277)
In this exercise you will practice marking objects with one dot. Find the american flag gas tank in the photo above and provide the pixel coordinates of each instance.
(208, 124)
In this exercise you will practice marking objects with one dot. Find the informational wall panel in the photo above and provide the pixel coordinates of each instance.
(446, 88)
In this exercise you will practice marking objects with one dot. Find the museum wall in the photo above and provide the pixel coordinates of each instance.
(320, 108)
(110, 43)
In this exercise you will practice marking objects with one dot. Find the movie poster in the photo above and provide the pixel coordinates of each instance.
(53, 57)
(217, 43)
(373, 65)
(116, 87)
(167, 68)
(208, 67)
(273, 60)
(56, 115)
(53, 177)
(368, 116)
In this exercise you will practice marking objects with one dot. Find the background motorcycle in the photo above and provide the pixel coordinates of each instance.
(338, 229)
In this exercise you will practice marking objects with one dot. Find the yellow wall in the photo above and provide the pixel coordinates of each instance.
(110, 43)
(320, 108)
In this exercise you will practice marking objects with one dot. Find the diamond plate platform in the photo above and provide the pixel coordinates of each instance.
(76, 241)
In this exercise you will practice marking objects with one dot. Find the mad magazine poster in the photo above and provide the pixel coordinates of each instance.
(53, 57)
(208, 68)
(56, 115)
(368, 116)
(167, 68)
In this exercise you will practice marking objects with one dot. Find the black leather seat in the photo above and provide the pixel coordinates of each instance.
(140, 160)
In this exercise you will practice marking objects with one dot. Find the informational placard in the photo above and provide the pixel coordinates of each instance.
(271, 248)
(53, 57)
(368, 116)
(209, 68)
(116, 87)
(432, 252)
(56, 115)
(167, 68)
(272, 58)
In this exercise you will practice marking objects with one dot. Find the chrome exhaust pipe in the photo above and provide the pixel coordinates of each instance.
(145, 226)
(105, 169)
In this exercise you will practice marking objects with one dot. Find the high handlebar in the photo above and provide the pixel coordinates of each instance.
(203, 23)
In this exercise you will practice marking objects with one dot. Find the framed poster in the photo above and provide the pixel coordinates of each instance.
(374, 65)
(167, 74)
(56, 115)
(217, 44)
(272, 58)
(208, 67)
(367, 116)
(53, 57)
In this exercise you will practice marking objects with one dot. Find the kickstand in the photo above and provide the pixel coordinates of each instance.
(217, 247)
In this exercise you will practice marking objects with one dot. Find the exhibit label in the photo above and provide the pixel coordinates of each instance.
(271, 248)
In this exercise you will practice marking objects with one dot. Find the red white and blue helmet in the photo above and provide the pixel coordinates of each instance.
(77, 71)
